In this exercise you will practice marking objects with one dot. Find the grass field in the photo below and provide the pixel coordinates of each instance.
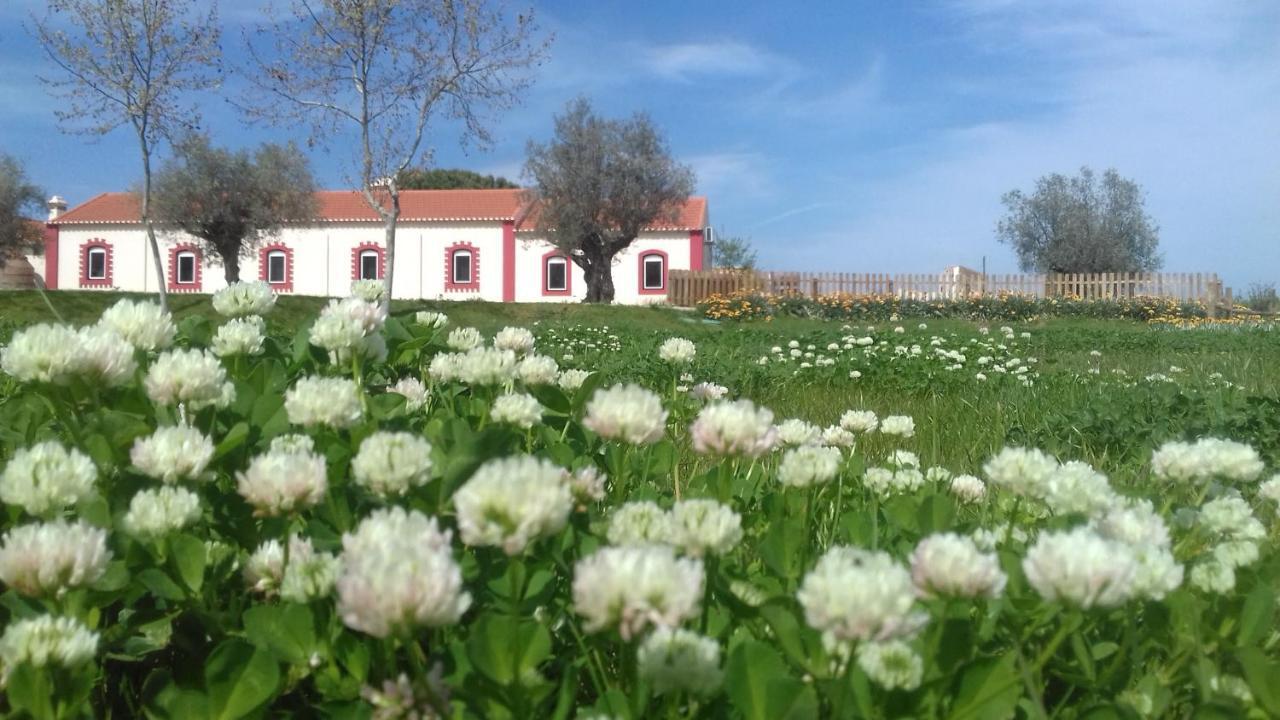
(366, 517)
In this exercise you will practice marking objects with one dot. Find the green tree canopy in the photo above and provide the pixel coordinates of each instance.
(20, 200)
(451, 179)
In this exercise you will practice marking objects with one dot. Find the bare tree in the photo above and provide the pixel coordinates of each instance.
(386, 70)
(598, 184)
(18, 196)
(734, 252)
(233, 200)
(1075, 224)
(131, 62)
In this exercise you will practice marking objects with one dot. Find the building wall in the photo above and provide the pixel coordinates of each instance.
(322, 261)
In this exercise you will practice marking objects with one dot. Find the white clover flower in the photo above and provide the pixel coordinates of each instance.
(937, 474)
(194, 378)
(49, 558)
(46, 640)
(516, 339)
(900, 459)
(736, 428)
(1133, 522)
(264, 570)
(885, 482)
(1081, 568)
(951, 565)
(280, 482)
(398, 574)
(1206, 459)
(836, 436)
(292, 443)
(1231, 517)
(1214, 577)
(434, 320)
(324, 401)
(626, 413)
(244, 298)
(1157, 573)
(636, 586)
(170, 454)
(1270, 490)
(587, 484)
(486, 366)
(892, 665)
(349, 328)
(144, 325)
(157, 512)
(677, 351)
(854, 594)
(46, 478)
(519, 409)
(392, 463)
(968, 489)
(444, 367)
(416, 395)
(537, 370)
(240, 336)
(464, 338)
(572, 380)
(1021, 471)
(1075, 487)
(640, 522)
(373, 291)
(42, 353)
(510, 502)
(104, 356)
(671, 660)
(798, 432)
(900, 425)
(701, 527)
(309, 575)
(809, 465)
(706, 391)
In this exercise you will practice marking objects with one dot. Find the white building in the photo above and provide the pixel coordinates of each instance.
(450, 244)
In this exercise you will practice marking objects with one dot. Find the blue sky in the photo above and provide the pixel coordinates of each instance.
(856, 136)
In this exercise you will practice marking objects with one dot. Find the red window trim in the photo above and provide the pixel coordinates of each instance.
(264, 269)
(546, 275)
(666, 268)
(172, 280)
(449, 284)
(359, 250)
(104, 282)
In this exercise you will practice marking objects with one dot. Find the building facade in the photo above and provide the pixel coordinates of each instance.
(450, 244)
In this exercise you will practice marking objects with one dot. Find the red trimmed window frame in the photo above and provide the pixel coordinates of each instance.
(264, 266)
(546, 274)
(197, 282)
(449, 252)
(358, 252)
(109, 265)
(666, 267)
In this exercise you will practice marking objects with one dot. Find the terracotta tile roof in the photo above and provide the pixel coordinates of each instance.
(693, 216)
(349, 206)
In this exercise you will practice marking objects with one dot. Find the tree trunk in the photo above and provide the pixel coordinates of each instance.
(597, 271)
(390, 270)
(146, 220)
(231, 267)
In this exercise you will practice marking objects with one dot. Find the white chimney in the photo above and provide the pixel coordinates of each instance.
(56, 207)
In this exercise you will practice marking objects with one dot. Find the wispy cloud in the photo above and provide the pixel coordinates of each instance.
(686, 61)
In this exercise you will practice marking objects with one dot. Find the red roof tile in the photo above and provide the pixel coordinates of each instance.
(350, 206)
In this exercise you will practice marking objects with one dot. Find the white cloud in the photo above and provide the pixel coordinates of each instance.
(685, 61)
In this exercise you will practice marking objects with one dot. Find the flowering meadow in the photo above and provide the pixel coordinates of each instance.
(408, 516)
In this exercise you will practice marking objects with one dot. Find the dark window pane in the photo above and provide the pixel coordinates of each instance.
(556, 275)
(461, 267)
(97, 264)
(652, 273)
(275, 267)
(186, 269)
(369, 266)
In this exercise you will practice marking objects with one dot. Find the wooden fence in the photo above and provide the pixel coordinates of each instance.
(688, 287)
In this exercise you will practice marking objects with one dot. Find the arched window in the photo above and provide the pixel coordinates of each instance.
(555, 274)
(462, 267)
(653, 272)
(369, 265)
(275, 266)
(184, 268)
(96, 264)
(367, 262)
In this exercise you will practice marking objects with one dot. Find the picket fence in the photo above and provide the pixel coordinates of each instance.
(688, 287)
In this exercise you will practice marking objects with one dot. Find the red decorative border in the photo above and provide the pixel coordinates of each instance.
(449, 284)
(173, 284)
(568, 274)
(85, 280)
(51, 257)
(666, 267)
(358, 250)
(695, 250)
(264, 269)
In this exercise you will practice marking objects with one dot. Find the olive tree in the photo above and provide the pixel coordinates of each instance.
(132, 63)
(597, 184)
(233, 200)
(18, 197)
(1078, 225)
(377, 75)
